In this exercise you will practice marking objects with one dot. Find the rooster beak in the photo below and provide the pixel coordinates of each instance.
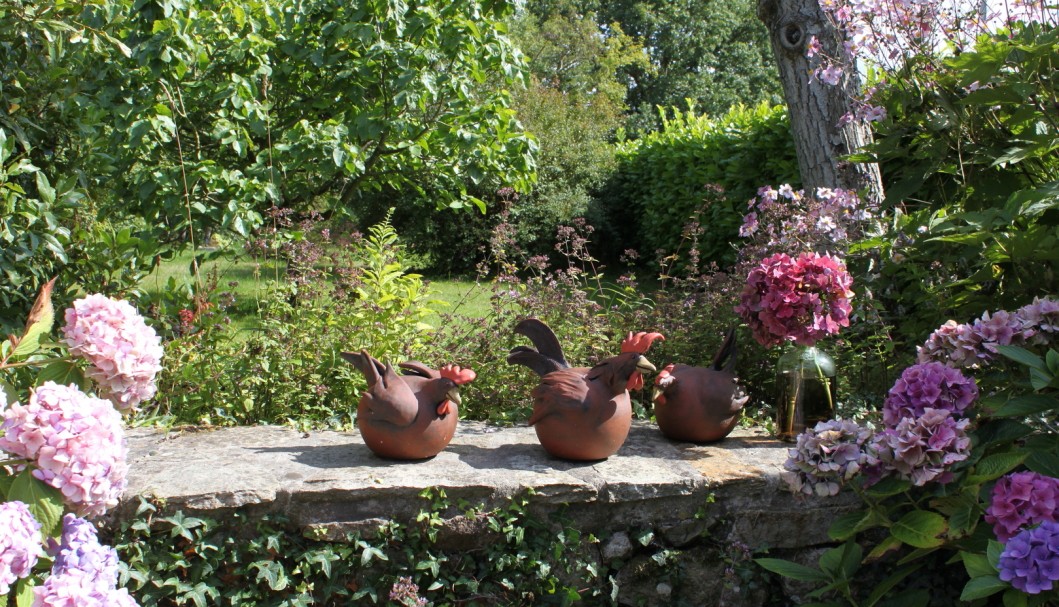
(656, 393)
(454, 395)
(644, 366)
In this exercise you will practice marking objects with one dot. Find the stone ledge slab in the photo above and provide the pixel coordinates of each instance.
(332, 483)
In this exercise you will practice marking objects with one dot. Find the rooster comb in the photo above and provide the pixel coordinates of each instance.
(640, 342)
(457, 374)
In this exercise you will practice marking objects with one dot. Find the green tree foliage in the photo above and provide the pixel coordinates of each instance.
(714, 52)
(662, 178)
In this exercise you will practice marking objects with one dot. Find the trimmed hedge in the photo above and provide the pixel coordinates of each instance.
(661, 178)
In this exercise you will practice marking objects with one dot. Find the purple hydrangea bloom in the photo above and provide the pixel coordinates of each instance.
(79, 552)
(1030, 560)
(921, 449)
(956, 345)
(1040, 320)
(85, 572)
(20, 543)
(928, 385)
(1022, 499)
(826, 457)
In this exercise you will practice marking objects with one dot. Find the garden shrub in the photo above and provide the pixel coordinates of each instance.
(662, 178)
(351, 293)
(971, 179)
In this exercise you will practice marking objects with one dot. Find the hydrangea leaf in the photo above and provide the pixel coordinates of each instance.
(995, 466)
(39, 323)
(24, 592)
(793, 570)
(981, 587)
(45, 502)
(977, 565)
(1028, 404)
(1044, 463)
(889, 486)
(920, 529)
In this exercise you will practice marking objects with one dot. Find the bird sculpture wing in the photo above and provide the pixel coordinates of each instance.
(414, 367)
(725, 358)
(558, 393)
(389, 399)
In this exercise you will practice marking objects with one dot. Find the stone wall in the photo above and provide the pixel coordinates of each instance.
(689, 503)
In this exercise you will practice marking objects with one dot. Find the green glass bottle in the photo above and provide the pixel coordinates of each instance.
(806, 382)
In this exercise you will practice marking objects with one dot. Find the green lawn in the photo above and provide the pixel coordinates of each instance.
(249, 279)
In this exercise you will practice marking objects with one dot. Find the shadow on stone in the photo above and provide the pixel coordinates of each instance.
(513, 456)
(338, 456)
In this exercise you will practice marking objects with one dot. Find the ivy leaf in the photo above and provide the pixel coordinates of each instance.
(793, 570)
(44, 502)
(40, 320)
(920, 529)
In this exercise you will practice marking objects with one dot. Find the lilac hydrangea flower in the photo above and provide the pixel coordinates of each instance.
(76, 442)
(826, 457)
(125, 354)
(79, 552)
(928, 385)
(1030, 560)
(922, 449)
(84, 573)
(73, 590)
(1022, 499)
(1040, 320)
(956, 345)
(20, 543)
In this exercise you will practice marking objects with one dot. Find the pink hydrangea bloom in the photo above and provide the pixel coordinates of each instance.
(922, 449)
(975, 345)
(928, 385)
(956, 345)
(125, 354)
(1022, 499)
(72, 590)
(20, 543)
(76, 443)
(801, 299)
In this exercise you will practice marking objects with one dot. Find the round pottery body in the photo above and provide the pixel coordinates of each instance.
(425, 437)
(581, 435)
(686, 422)
(701, 405)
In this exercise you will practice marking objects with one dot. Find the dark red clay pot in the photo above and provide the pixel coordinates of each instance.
(427, 436)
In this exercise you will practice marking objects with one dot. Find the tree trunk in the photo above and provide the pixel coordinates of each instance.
(816, 108)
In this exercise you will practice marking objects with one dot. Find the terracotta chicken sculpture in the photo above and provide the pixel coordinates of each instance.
(700, 404)
(580, 413)
(408, 416)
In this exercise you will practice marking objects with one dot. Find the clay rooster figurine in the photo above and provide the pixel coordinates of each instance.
(407, 416)
(581, 413)
(700, 404)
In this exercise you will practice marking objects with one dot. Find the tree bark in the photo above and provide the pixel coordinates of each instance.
(816, 108)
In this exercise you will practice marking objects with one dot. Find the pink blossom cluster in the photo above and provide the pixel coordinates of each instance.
(826, 457)
(889, 32)
(76, 443)
(929, 385)
(784, 218)
(922, 449)
(20, 544)
(1020, 500)
(84, 572)
(974, 345)
(124, 353)
(798, 299)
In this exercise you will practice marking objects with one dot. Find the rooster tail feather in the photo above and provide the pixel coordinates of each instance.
(366, 364)
(726, 356)
(540, 364)
(544, 339)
